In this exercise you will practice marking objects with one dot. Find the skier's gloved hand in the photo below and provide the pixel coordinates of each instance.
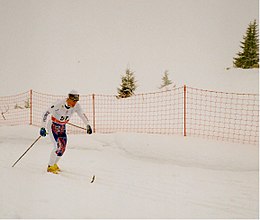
(89, 129)
(43, 132)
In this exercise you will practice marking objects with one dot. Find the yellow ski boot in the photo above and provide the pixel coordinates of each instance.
(52, 169)
(57, 167)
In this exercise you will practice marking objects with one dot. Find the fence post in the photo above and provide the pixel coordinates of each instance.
(94, 113)
(185, 111)
(31, 103)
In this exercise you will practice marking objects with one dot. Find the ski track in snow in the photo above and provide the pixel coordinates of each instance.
(137, 176)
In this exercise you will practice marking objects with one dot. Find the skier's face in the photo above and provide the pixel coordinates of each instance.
(71, 103)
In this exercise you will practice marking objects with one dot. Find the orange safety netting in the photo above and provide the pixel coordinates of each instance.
(15, 110)
(186, 111)
(223, 116)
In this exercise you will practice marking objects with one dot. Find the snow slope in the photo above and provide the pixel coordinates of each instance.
(137, 176)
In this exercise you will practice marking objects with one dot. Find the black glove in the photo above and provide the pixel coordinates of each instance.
(43, 132)
(89, 129)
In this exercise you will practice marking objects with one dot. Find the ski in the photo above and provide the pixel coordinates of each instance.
(93, 179)
(69, 173)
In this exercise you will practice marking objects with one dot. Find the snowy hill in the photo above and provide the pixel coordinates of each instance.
(137, 176)
(226, 80)
(55, 46)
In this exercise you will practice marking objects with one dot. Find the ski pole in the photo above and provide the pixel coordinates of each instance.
(93, 177)
(26, 150)
(76, 126)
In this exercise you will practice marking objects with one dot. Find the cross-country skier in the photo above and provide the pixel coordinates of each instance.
(61, 113)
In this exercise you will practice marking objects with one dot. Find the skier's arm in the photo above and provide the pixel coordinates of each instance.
(43, 131)
(84, 118)
(45, 116)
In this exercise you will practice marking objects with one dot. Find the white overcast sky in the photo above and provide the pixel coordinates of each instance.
(53, 46)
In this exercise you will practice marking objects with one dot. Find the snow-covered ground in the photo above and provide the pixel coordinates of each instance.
(137, 176)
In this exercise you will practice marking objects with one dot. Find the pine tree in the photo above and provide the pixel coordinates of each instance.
(128, 85)
(165, 80)
(249, 58)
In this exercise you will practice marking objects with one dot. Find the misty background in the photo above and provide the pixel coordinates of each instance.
(53, 46)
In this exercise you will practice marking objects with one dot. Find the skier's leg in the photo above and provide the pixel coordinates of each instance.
(61, 147)
(59, 138)
(53, 137)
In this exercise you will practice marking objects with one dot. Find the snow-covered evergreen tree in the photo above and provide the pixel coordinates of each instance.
(167, 84)
(249, 57)
(128, 85)
(165, 80)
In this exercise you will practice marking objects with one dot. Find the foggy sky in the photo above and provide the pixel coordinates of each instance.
(54, 46)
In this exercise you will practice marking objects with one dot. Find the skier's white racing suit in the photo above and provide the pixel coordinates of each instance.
(60, 115)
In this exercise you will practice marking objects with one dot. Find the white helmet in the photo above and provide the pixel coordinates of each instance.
(73, 95)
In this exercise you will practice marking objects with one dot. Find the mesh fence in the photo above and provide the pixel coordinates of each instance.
(15, 110)
(223, 116)
(185, 111)
(160, 113)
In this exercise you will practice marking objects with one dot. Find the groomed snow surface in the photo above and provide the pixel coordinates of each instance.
(137, 176)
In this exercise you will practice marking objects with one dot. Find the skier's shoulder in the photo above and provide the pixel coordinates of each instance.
(58, 103)
(77, 107)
